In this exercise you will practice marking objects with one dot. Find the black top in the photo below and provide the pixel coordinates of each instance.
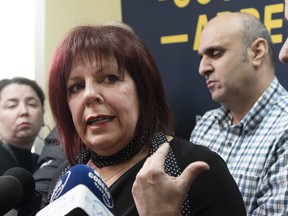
(11, 156)
(214, 192)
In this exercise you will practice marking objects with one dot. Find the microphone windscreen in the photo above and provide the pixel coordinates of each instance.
(82, 174)
(80, 191)
(27, 181)
(11, 192)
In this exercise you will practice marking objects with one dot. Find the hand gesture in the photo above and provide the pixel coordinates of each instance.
(157, 193)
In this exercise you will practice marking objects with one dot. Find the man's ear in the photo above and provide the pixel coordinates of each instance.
(259, 49)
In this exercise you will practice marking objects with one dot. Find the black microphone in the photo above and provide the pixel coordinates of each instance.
(80, 192)
(11, 192)
(29, 202)
(27, 181)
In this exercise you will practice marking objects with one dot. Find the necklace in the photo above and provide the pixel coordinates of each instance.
(114, 174)
(123, 166)
(99, 170)
(125, 154)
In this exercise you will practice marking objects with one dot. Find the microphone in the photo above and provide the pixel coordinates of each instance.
(27, 181)
(28, 202)
(11, 192)
(80, 192)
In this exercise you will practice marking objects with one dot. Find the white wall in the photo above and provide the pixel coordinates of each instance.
(17, 38)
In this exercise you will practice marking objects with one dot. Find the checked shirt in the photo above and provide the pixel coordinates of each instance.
(255, 150)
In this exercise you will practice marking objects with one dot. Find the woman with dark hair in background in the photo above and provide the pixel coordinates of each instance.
(21, 118)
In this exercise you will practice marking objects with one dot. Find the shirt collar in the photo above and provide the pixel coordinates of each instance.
(260, 109)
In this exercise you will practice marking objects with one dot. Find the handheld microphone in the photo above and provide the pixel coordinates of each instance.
(27, 181)
(11, 192)
(28, 202)
(81, 191)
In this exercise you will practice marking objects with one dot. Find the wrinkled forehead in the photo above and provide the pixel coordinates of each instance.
(221, 28)
(15, 90)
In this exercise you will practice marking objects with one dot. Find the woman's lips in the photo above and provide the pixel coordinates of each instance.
(95, 120)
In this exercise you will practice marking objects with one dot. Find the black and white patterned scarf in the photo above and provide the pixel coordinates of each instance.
(170, 167)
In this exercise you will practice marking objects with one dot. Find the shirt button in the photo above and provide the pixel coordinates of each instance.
(229, 144)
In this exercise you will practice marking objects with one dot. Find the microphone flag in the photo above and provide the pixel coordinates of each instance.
(80, 189)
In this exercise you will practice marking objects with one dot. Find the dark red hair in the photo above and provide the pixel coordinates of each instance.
(106, 43)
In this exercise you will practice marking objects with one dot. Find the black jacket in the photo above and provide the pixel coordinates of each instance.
(50, 159)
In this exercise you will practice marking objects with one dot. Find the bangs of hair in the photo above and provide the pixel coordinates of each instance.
(100, 45)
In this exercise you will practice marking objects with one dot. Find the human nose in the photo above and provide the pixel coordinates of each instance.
(205, 67)
(92, 94)
(283, 55)
(24, 111)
